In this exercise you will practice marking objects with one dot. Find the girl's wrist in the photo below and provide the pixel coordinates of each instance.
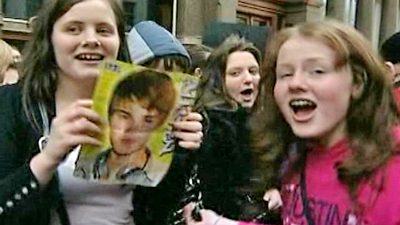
(217, 220)
(225, 221)
(43, 167)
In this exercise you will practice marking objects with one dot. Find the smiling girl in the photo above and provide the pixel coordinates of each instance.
(328, 107)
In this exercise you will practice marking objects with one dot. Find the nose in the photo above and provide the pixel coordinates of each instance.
(127, 127)
(248, 77)
(91, 39)
(152, 112)
(298, 81)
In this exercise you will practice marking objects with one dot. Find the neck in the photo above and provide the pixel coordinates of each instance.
(135, 159)
(70, 90)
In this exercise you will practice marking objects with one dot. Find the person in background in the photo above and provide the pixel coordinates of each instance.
(330, 112)
(153, 46)
(48, 115)
(390, 51)
(198, 54)
(227, 92)
(8, 64)
(16, 54)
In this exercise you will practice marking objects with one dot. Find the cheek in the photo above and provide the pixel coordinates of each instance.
(256, 80)
(336, 103)
(112, 47)
(117, 125)
(334, 95)
(279, 95)
(232, 86)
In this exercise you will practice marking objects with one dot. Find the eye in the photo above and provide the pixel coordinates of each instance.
(318, 71)
(283, 75)
(149, 119)
(73, 29)
(234, 73)
(254, 71)
(283, 72)
(105, 30)
(121, 115)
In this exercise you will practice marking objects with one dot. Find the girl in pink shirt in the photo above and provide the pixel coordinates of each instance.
(331, 112)
(326, 105)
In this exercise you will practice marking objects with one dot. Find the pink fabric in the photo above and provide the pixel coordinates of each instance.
(248, 223)
(329, 201)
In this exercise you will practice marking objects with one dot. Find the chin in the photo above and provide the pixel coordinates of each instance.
(304, 133)
(247, 104)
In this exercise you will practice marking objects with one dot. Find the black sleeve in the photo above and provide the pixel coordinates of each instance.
(153, 205)
(19, 189)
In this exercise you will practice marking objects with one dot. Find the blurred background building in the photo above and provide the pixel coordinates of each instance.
(189, 19)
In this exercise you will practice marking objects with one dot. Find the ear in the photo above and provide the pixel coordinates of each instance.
(197, 72)
(359, 82)
(391, 68)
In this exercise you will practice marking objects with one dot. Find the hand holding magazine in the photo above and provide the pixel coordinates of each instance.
(138, 105)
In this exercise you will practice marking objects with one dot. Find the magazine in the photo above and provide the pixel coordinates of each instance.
(138, 106)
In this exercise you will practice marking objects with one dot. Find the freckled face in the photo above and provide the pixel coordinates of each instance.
(311, 92)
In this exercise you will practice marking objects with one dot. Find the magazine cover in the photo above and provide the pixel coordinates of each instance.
(139, 105)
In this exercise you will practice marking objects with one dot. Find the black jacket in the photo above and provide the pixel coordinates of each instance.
(21, 201)
(224, 162)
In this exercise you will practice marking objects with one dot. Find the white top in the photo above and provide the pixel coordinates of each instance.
(89, 203)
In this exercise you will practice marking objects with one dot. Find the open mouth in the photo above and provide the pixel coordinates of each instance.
(302, 106)
(247, 93)
(90, 57)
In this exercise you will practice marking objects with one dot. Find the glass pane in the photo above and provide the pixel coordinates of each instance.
(32, 7)
(20, 9)
(129, 9)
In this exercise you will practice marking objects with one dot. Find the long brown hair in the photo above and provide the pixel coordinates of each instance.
(39, 67)
(212, 91)
(370, 117)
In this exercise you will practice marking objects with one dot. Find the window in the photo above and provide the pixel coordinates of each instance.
(32, 7)
(20, 9)
(254, 20)
(129, 9)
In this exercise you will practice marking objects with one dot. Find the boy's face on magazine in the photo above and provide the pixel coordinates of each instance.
(131, 124)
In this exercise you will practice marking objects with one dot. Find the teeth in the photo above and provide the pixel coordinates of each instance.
(301, 103)
(90, 57)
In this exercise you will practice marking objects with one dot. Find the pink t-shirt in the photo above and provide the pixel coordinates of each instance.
(329, 199)
(248, 223)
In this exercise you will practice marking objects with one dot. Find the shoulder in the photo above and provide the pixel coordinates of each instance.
(10, 94)
(393, 167)
(10, 102)
(226, 119)
(386, 179)
(380, 197)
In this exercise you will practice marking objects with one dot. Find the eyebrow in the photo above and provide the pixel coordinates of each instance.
(79, 22)
(120, 111)
(309, 60)
(240, 67)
